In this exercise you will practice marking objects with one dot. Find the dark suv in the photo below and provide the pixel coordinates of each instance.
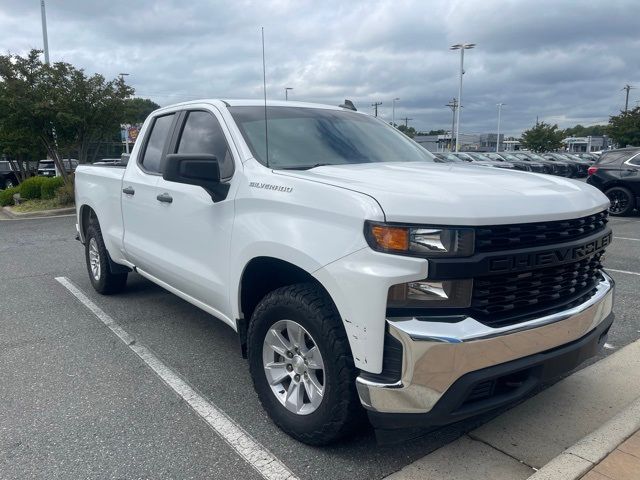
(617, 174)
(8, 177)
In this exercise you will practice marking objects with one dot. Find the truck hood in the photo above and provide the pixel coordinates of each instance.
(454, 194)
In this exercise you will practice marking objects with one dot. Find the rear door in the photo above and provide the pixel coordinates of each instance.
(631, 176)
(141, 211)
(195, 231)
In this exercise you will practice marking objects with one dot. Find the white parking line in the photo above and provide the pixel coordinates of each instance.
(626, 238)
(244, 444)
(621, 271)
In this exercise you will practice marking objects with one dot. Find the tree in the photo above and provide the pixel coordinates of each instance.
(542, 137)
(624, 129)
(408, 131)
(580, 131)
(58, 104)
(137, 109)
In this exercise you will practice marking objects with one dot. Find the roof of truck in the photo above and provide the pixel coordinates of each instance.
(255, 103)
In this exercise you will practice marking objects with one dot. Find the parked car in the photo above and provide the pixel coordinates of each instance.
(468, 157)
(617, 174)
(8, 177)
(47, 168)
(590, 157)
(517, 164)
(502, 157)
(356, 271)
(552, 167)
(582, 163)
(576, 167)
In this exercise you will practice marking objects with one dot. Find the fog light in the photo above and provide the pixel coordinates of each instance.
(431, 294)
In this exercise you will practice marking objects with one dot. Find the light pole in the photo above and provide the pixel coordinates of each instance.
(393, 112)
(286, 93)
(45, 37)
(462, 47)
(499, 105)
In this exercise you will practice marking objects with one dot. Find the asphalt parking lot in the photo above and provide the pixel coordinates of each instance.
(77, 402)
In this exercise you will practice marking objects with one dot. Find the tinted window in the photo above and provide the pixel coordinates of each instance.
(155, 145)
(635, 161)
(5, 167)
(303, 137)
(615, 157)
(202, 134)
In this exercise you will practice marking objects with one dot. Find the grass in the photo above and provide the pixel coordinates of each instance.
(37, 205)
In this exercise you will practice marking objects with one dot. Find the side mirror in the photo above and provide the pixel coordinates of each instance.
(196, 169)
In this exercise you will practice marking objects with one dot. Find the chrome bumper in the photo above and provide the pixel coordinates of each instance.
(435, 355)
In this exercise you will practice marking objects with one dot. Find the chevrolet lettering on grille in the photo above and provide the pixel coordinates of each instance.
(524, 261)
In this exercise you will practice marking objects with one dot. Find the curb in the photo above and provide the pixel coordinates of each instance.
(58, 212)
(581, 457)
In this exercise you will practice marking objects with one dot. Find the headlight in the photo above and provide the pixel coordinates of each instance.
(431, 294)
(421, 241)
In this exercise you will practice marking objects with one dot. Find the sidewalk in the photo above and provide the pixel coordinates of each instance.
(621, 464)
(562, 433)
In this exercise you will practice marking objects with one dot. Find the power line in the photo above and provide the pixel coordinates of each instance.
(406, 121)
(375, 107)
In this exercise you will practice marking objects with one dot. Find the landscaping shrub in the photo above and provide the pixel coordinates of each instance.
(6, 196)
(65, 195)
(31, 187)
(50, 186)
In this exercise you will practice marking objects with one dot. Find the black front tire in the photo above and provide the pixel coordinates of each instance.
(102, 279)
(622, 202)
(340, 410)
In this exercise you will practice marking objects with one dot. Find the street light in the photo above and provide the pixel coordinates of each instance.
(393, 112)
(462, 47)
(286, 92)
(499, 105)
(45, 37)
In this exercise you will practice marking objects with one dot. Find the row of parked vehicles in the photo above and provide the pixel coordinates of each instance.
(572, 165)
(43, 168)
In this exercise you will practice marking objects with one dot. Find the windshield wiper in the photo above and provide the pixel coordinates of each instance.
(306, 167)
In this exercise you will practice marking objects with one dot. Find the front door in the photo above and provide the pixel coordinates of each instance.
(195, 231)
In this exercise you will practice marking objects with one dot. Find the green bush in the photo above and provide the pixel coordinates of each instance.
(49, 186)
(6, 196)
(65, 195)
(31, 187)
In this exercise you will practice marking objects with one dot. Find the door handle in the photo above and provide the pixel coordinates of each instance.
(129, 191)
(165, 198)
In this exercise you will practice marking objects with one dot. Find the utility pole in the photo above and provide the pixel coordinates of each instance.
(393, 112)
(45, 37)
(375, 107)
(453, 105)
(627, 87)
(499, 105)
(406, 121)
(286, 93)
(462, 47)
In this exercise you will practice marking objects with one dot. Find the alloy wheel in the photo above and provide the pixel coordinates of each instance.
(294, 367)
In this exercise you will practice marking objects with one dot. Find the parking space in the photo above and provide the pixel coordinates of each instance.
(83, 404)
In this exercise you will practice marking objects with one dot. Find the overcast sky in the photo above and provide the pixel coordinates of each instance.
(563, 61)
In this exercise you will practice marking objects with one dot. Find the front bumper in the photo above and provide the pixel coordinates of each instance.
(454, 370)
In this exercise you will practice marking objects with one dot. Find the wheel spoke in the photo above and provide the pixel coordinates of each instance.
(314, 390)
(296, 334)
(277, 342)
(314, 359)
(294, 400)
(277, 372)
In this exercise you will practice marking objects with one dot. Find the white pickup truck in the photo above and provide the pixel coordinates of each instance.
(355, 270)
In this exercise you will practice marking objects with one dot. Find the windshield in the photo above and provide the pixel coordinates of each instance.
(301, 138)
(45, 164)
(481, 156)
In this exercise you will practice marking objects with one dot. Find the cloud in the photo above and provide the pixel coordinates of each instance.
(562, 61)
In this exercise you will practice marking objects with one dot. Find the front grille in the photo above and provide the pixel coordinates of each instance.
(501, 300)
(523, 235)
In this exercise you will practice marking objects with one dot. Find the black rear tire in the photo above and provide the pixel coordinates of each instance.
(102, 279)
(622, 201)
(340, 410)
